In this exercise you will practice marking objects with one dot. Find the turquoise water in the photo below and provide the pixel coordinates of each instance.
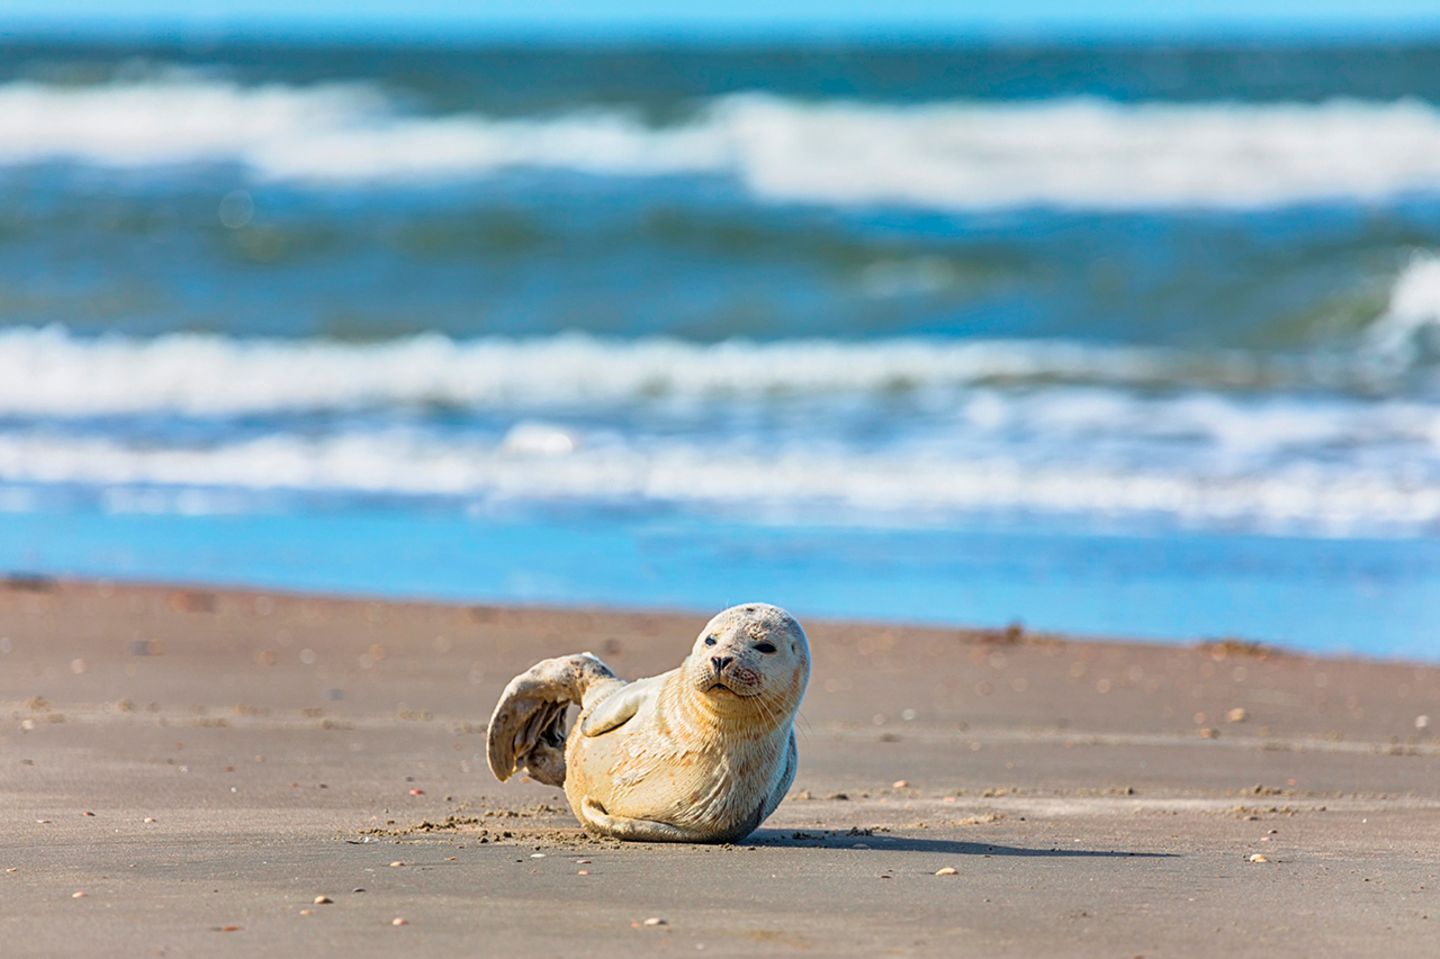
(1335, 596)
(1134, 340)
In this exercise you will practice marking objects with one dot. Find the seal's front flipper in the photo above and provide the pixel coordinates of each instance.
(618, 708)
(528, 725)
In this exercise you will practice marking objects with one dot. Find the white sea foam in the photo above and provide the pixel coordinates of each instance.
(1407, 330)
(948, 155)
(1074, 436)
(51, 372)
(852, 484)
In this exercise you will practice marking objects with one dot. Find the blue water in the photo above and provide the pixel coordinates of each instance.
(1133, 340)
(1334, 596)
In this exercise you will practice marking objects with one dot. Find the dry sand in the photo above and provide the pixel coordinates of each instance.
(202, 765)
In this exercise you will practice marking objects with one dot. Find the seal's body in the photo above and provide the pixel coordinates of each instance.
(703, 753)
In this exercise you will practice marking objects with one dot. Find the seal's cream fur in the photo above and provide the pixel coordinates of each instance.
(703, 753)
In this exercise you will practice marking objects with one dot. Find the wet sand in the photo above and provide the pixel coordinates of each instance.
(202, 765)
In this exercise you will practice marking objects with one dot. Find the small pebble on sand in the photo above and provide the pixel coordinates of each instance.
(1422, 722)
(537, 855)
(307, 912)
(947, 871)
(78, 894)
(323, 900)
(900, 784)
(44, 822)
(87, 813)
(655, 921)
(399, 921)
(397, 864)
(1236, 715)
(417, 792)
(1258, 858)
(583, 872)
(151, 819)
(582, 862)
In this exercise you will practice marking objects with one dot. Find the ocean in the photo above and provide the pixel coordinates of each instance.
(1128, 339)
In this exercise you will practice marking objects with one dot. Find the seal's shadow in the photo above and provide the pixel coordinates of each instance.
(790, 839)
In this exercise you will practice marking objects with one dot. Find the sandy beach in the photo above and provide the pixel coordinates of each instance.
(203, 765)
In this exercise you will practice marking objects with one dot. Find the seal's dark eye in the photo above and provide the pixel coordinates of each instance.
(709, 640)
(765, 647)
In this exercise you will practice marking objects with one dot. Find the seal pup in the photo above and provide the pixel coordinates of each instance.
(703, 753)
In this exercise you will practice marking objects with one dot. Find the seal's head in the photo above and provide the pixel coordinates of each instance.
(753, 656)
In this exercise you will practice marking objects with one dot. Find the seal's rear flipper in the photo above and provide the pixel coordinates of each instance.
(528, 725)
(597, 820)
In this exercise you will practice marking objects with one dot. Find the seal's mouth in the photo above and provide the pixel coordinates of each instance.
(720, 686)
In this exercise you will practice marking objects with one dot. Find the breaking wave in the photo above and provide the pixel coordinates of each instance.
(51, 372)
(1079, 153)
(914, 483)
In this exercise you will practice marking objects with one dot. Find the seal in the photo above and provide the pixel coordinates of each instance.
(702, 753)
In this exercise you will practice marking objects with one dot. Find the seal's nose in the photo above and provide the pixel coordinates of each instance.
(721, 662)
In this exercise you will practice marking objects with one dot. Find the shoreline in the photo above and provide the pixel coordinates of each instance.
(196, 759)
(1016, 632)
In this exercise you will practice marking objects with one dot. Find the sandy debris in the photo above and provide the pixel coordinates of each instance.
(947, 871)
(1237, 715)
(1258, 858)
(399, 921)
(323, 900)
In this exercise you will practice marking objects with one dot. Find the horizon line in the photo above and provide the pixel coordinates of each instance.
(1330, 31)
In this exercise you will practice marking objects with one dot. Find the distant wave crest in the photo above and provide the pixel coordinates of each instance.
(794, 481)
(1076, 153)
(51, 372)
